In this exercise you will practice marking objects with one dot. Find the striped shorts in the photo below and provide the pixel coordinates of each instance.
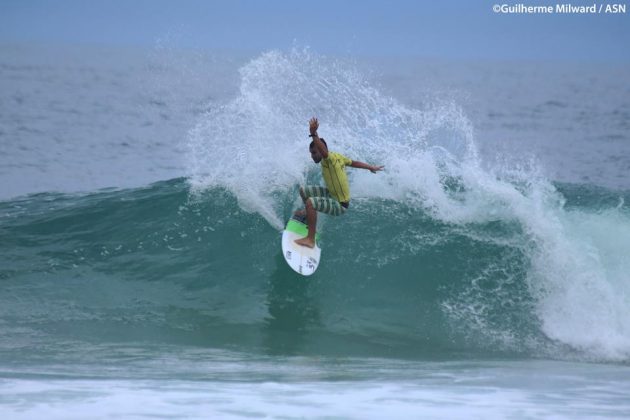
(321, 200)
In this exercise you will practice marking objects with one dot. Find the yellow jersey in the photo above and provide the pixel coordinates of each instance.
(335, 177)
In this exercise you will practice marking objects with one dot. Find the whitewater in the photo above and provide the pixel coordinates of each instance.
(479, 275)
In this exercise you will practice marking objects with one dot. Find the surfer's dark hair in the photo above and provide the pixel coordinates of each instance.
(310, 146)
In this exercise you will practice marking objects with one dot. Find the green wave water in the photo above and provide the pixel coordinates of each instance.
(163, 265)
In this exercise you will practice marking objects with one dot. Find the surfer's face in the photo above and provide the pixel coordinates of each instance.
(317, 157)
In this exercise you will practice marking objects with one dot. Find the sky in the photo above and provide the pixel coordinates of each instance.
(449, 29)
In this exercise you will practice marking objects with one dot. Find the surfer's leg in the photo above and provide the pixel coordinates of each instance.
(302, 212)
(308, 191)
(318, 204)
(311, 221)
(303, 194)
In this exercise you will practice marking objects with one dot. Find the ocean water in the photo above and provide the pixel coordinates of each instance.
(483, 274)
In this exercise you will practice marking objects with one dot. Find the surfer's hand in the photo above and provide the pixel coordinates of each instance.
(374, 169)
(313, 125)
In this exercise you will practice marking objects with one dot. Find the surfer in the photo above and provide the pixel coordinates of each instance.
(334, 199)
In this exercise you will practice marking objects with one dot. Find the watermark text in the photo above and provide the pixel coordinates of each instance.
(561, 9)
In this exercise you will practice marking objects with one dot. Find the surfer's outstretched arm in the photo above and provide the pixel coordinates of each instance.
(372, 168)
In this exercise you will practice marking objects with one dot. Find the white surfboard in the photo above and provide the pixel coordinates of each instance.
(301, 259)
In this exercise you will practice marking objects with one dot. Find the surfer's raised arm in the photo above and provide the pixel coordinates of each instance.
(313, 125)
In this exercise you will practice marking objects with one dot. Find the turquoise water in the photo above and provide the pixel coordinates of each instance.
(460, 283)
(94, 268)
(103, 313)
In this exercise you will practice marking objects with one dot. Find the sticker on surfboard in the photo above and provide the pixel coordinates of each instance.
(301, 259)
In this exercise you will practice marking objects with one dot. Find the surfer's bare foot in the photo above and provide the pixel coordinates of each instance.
(306, 241)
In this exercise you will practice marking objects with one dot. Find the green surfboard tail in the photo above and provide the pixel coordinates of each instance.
(299, 228)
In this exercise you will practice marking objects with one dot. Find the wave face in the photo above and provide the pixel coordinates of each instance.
(439, 255)
(164, 266)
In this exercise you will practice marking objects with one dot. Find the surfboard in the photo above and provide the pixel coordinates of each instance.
(301, 259)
